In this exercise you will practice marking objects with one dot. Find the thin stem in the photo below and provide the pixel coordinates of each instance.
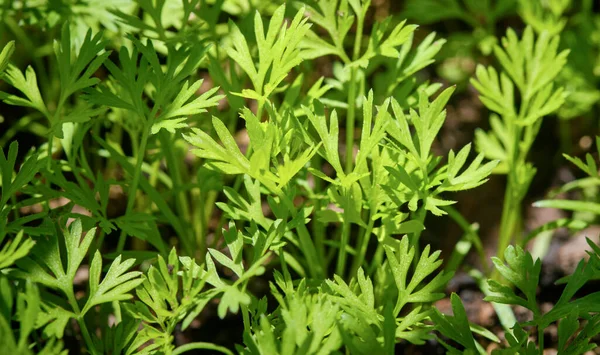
(506, 316)
(378, 256)
(181, 203)
(344, 240)
(49, 161)
(246, 318)
(351, 114)
(86, 335)
(350, 122)
(414, 237)
(471, 235)
(197, 218)
(511, 208)
(364, 244)
(136, 179)
(206, 212)
(201, 345)
(55, 118)
(315, 266)
(510, 217)
(318, 228)
(84, 331)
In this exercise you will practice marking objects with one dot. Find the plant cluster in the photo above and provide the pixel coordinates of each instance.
(190, 150)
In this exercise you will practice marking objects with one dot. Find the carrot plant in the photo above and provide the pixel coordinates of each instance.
(275, 165)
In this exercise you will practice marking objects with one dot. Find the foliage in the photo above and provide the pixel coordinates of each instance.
(164, 161)
(577, 319)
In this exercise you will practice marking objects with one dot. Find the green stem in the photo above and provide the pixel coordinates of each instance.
(344, 240)
(364, 244)
(84, 331)
(508, 225)
(541, 339)
(49, 161)
(505, 314)
(351, 114)
(136, 179)
(246, 318)
(181, 204)
(377, 260)
(511, 208)
(318, 228)
(315, 266)
(198, 220)
(86, 335)
(350, 122)
(199, 346)
(206, 212)
(470, 234)
(414, 237)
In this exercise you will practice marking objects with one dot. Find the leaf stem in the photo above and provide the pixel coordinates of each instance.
(315, 265)
(181, 204)
(201, 345)
(136, 179)
(511, 209)
(86, 335)
(344, 240)
(504, 312)
(377, 260)
(82, 326)
(352, 93)
(350, 122)
(318, 228)
(246, 318)
(364, 244)
(470, 234)
(414, 237)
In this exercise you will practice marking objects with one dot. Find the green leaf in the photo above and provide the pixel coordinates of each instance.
(531, 63)
(26, 84)
(171, 293)
(383, 43)
(475, 175)
(11, 183)
(521, 271)
(571, 224)
(457, 327)
(14, 250)
(77, 75)
(278, 50)
(589, 167)
(228, 157)
(413, 289)
(171, 118)
(5, 55)
(569, 205)
(329, 136)
(115, 285)
(48, 256)
(496, 94)
(337, 21)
